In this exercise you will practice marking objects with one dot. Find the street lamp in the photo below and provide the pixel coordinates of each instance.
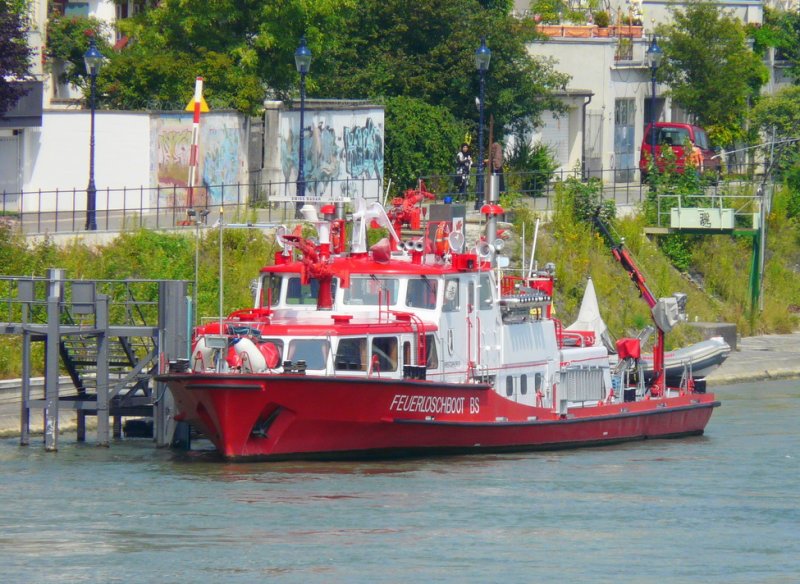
(93, 59)
(653, 58)
(302, 60)
(482, 57)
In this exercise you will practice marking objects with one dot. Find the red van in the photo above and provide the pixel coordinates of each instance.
(677, 136)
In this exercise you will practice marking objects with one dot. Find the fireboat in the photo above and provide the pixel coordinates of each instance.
(418, 346)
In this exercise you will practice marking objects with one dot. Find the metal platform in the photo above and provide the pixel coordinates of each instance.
(109, 336)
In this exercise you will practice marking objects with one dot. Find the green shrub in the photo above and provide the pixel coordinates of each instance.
(532, 165)
(602, 19)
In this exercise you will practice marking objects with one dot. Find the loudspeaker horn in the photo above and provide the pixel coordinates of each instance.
(456, 241)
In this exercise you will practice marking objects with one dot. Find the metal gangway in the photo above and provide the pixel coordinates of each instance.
(109, 336)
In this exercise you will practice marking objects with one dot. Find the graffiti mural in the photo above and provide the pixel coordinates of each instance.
(222, 163)
(220, 159)
(364, 150)
(339, 147)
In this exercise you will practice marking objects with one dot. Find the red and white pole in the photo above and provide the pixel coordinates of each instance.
(198, 99)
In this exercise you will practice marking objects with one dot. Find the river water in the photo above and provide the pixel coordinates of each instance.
(723, 507)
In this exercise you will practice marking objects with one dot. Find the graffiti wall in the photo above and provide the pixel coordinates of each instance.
(222, 158)
(343, 151)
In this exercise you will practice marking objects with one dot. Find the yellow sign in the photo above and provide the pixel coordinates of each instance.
(203, 106)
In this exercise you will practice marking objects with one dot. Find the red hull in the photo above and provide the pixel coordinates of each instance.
(297, 416)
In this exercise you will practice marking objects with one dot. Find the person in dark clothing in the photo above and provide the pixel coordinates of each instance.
(463, 167)
(495, 163)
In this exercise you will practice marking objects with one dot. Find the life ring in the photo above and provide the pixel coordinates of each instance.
(441, 243)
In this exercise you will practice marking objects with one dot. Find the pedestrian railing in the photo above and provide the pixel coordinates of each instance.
(168, 207)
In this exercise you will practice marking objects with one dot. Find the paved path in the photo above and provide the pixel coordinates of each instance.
(764, 357)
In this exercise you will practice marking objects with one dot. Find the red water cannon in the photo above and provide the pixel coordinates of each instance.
(406, 210)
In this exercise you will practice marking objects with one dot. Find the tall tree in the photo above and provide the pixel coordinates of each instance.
(426, 50)
(711, 71)
(244, 49)
(15, 54)
(362, 49)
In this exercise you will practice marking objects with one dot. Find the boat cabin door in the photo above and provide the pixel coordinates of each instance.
(454, 328)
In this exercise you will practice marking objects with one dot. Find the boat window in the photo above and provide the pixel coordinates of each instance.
(385, 349)
(270, 290)
(486, 293)
(452, 296)
(421, 293)
(351, 355)
(432, 361)
(407, 353)
(369, 291)
(509, 386)
(313, 351)
(537, 380)
(523, 384)
(299, 293)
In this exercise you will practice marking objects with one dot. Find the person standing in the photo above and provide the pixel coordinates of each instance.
(495, 162)
(463, 167)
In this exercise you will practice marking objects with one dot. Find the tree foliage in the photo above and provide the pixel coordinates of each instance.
(368, 49)
(426, 50)
(243, 49)
(67, 42)
(421, 140)
(781, 31)
(15, 54)
(777, 117)
(710, 70)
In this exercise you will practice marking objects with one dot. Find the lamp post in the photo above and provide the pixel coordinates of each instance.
(93, 59)
(482, 57)
(302, 60)
(653, 57)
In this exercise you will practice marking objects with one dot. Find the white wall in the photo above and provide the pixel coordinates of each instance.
(141, 159)
(591, 65)
(58, 156)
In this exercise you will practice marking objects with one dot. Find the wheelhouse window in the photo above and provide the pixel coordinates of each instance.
(371, 291)
(523, 384)
(313, 351)
(299, 293)
(351, 354)
(421, 293)
(384, 353)
(509, 386)
(452, 295)
(270, 290)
